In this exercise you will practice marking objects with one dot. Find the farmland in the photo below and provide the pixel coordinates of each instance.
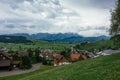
(56, 46)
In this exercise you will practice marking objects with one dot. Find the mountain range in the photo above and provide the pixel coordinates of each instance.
(64, 37)
(14, 39)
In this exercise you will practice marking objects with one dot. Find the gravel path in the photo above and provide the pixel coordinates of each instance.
(18, 71)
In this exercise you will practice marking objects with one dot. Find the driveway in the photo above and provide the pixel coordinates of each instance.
(18, 71)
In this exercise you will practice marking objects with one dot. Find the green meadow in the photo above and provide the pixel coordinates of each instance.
(58, 46)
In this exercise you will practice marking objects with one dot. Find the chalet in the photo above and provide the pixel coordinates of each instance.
(60, 60)
(7, 61)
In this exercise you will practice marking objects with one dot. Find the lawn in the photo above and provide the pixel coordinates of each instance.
(101, 68)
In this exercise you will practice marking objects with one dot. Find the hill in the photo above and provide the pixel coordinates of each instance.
(101, 68)
(104, 44)
(63, 37)
(13, 39)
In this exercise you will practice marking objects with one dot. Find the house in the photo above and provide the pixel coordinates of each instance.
(3, 49)
(90, 55)
(15, 64)
(7, 61)
(83, 57)
(75, 57)
(46, 54)
(60, 60)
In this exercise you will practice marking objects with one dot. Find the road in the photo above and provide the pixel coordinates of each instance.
(111, 51)
(18, 71)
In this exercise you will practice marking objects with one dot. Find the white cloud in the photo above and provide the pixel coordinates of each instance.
(53, 16)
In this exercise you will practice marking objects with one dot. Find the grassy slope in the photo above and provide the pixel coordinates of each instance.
(101, 68)
(98, 45)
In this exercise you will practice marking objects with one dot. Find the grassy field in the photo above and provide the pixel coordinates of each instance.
(56, 46)
(101, 68)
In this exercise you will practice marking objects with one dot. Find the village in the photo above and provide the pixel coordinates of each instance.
(46, 57)
(23, 60)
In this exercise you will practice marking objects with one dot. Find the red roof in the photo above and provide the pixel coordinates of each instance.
(75, 56)
(84, 57)
(63, 60)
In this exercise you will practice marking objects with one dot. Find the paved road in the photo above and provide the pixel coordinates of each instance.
(107, 52)
(111, 51)
(18, 71)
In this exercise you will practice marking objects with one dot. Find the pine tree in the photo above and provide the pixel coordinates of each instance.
(115, 25)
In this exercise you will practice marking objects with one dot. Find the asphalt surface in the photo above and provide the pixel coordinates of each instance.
(111, 51)
(4, 73)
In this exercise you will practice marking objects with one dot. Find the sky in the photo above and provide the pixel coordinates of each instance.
(85, 17)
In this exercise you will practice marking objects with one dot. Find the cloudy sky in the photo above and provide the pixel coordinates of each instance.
(85, 17)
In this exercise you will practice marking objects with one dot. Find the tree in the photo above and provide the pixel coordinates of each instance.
(66, 53)
(37, 57)
(115, 25)
(30, 52)
(25, 63)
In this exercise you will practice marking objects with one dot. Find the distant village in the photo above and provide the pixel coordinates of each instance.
(23, 59)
